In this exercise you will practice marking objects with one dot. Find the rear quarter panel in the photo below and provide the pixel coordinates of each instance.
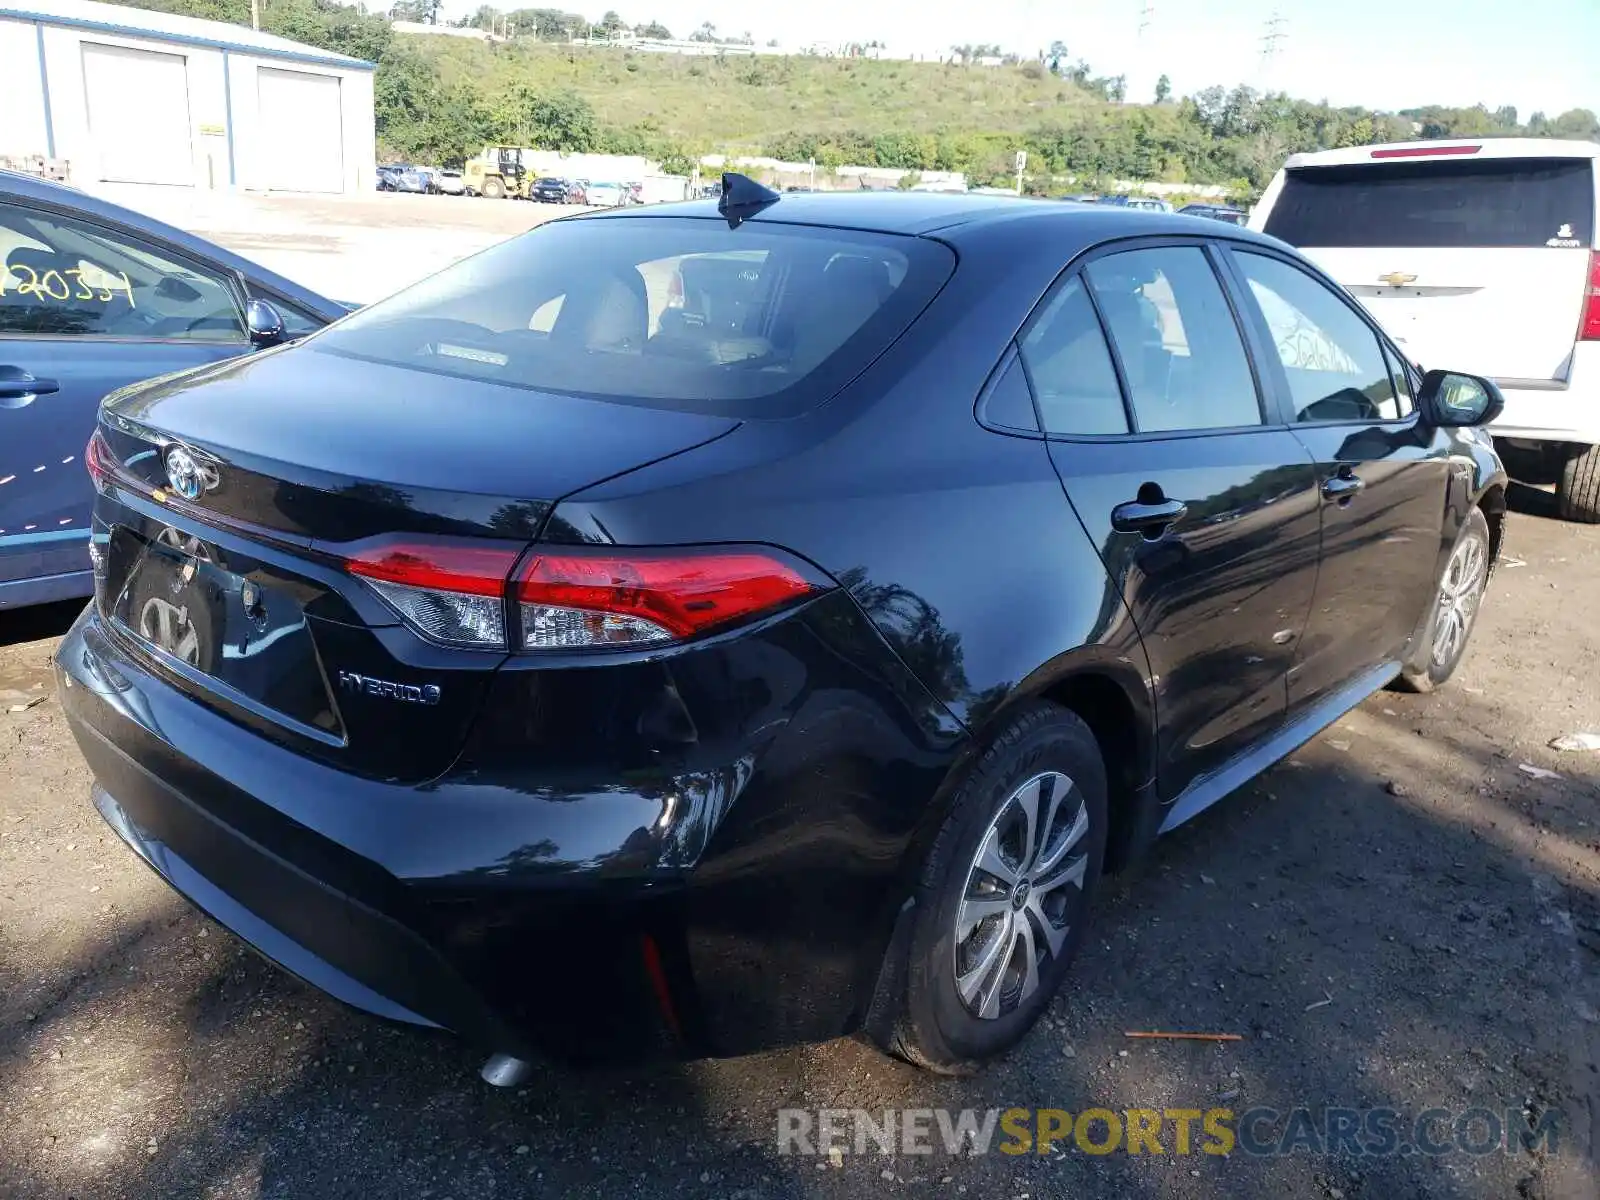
(956, 543)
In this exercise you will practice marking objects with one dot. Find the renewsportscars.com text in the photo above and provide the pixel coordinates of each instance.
(1260, 1132)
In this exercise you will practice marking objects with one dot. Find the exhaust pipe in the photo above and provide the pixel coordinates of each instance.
(504, 1071)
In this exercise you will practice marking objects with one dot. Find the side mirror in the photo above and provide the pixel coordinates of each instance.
(264, 324)
(1450, 398)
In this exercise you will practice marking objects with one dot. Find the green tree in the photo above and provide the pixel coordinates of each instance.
(1163, 90)
(655, 29)
(1576, 123)
(426, 11)
(546, 121)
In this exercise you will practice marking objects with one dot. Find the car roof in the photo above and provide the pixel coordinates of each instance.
(948, 214)
(32, 189)
(1446, 150)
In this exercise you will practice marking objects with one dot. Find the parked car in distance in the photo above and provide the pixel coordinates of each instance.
(1144, 203)
(94, 297)
(640, 624)
(1216, 212)
(402, 177)
(577, 191)
(1483, 254)
(605, 195)
(549, 190)
(449, 182)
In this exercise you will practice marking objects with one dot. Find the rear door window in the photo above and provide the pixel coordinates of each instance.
(1504, 202)
(1179, 346)
(762, 319)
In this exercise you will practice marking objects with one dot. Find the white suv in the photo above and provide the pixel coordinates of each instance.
(1477, 253)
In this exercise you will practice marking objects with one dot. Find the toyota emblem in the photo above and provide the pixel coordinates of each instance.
(189, 476)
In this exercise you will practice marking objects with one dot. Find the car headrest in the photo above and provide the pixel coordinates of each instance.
(869, 275)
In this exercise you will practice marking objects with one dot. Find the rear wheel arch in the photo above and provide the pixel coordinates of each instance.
(1112, 699)
(1126, 739)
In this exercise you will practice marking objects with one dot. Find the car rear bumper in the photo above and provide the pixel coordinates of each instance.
(1556, 410)
(321, 903)
(538, 906)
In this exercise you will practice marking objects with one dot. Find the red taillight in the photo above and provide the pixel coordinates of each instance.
(97, 460)
(449, 591)
(475, 568)
(1424, 151)
(647, 597)
(453, 591)
(1589, 331)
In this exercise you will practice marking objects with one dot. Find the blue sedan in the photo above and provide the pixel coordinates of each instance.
(93, 297)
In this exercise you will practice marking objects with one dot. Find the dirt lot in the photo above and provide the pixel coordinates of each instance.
(1401, 915)
(354, 248)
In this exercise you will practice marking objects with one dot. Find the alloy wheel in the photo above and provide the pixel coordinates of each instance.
(1460, 593)
(1023, 888)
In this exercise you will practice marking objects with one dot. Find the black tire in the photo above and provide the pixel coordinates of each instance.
(493, 189)
(1424, 671)
(1578, 492)
(934, 1027)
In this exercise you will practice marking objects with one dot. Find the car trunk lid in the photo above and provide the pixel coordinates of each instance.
(235, 500)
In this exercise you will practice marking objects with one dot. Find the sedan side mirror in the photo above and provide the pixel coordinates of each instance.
(264, 324)
(1450, 398)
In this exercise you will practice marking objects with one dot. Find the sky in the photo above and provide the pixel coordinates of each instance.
(1384, 54)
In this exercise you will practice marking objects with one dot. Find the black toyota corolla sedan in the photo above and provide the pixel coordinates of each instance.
(695, 629)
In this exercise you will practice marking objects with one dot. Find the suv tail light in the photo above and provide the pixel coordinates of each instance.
(1589, 331)
(456, 592)
(1425, 151)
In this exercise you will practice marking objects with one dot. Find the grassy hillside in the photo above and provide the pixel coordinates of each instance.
(746, 103)
(439, 98)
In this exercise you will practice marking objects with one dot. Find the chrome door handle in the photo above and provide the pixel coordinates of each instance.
(1342, 487)
(18, 389)
(1149, 519)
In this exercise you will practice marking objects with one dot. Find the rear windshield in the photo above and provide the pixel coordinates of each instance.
(1494, 202)
(763, 319)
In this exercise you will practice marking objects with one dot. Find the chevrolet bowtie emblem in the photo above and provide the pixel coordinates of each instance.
(1397, 279)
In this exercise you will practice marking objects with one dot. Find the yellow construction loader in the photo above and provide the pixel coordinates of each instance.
(497, 173)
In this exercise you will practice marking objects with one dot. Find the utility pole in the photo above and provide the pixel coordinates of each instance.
(1271, 46)
(1142, 75)
(255, 15)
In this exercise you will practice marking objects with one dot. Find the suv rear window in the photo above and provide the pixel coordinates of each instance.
(763, 319)
(1504, 202)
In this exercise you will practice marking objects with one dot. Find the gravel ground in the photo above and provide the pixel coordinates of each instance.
(1401, 915)
(353, 248)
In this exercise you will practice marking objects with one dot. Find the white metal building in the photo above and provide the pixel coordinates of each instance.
(129, 96)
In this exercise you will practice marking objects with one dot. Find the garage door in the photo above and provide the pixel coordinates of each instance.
(301, 131)
(138, 114)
